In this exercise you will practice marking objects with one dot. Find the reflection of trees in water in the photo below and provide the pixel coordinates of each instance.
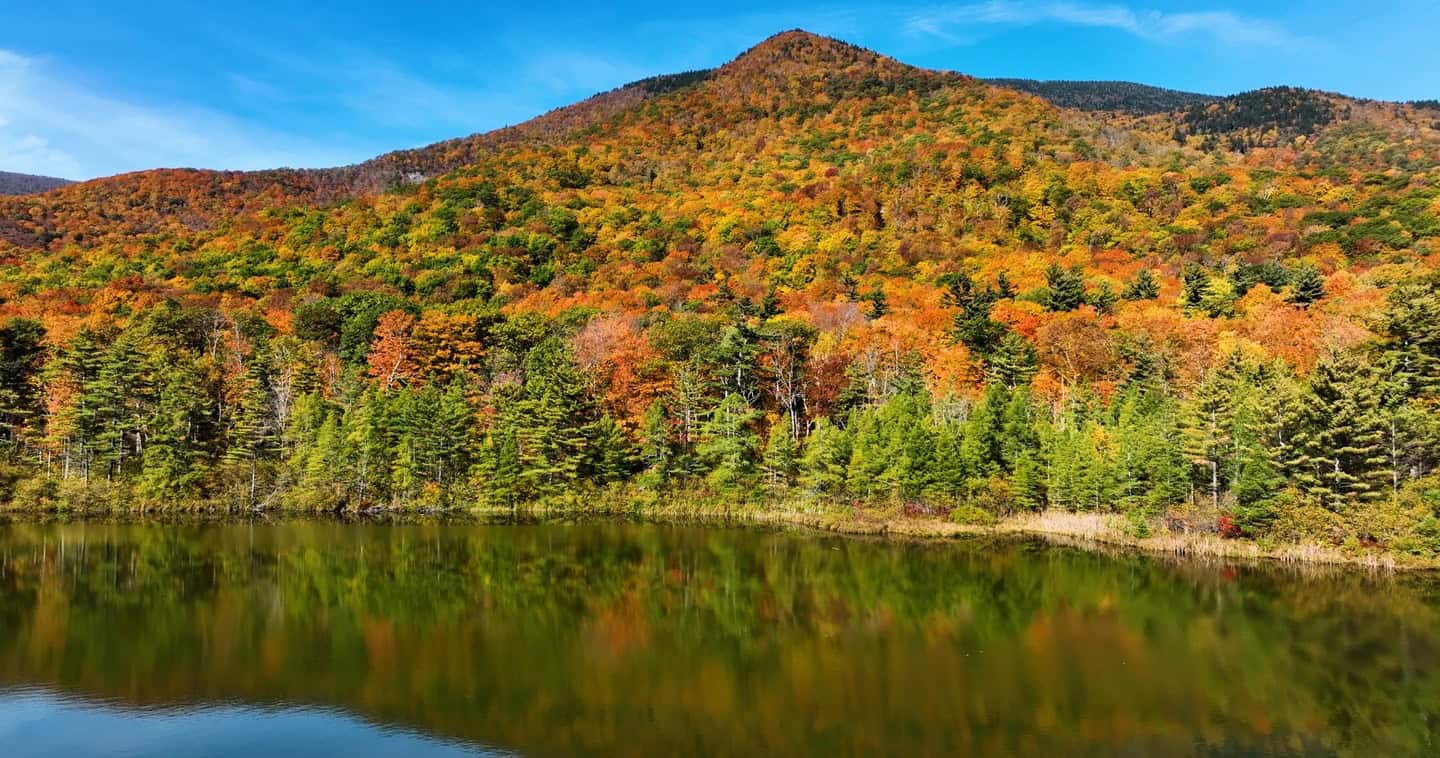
(657, 639)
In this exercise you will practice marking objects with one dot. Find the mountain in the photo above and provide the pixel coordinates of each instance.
(967, 292)
(1108, 96)
(27, 184)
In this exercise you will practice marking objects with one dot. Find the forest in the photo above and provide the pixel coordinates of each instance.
(814, 278)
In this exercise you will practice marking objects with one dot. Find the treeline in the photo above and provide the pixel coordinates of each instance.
(375, 402)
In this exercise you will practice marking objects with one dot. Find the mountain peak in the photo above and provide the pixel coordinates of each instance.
(797, 46)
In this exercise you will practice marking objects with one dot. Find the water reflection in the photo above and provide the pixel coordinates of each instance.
(632, 639)
(37, 722)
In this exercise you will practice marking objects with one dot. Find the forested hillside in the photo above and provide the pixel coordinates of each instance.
(1108, 96)
(27, 184)
(814, 273)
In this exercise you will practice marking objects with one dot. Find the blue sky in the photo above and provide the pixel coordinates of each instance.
(94, 88)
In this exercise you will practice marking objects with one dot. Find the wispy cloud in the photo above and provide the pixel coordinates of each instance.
(954, 22)
(52, 124)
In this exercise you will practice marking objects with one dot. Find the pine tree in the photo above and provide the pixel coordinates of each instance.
(1339, 444)
(248, 434)
(1196, 286)
(982, 448)
(1018, 433)
(1143, 287)
(1013, 363)
(727, 443)
(879, 304)
(611, 456)
(500, 468)
(121, 394)
(22, 355)
(657, 450)
(949, 473)
(549, 418)
(1065, 288)
(1306, 285)
(781, 455)
(174, 455)
(1207, 431)
(1027, 484)
(826, 459)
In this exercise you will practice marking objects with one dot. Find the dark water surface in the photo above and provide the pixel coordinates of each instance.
(327, 638)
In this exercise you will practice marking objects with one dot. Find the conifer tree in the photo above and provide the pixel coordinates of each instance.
(1196, 288)
(1306, 285)
(248, 433)
(826, 460)
(656, 447)
(1143, 287)
(22, 355)
(781, 455)
(174, 455)
(611, 455)
(1065, 288)
(727, 443)
(1338, 453)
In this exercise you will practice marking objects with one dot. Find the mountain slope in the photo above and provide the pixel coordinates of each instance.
(1108, 96)
(27, 184)
(964, 290)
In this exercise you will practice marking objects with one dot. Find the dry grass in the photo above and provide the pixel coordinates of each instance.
(1088, 530)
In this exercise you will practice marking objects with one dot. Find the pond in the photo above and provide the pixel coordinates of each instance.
(606, 638)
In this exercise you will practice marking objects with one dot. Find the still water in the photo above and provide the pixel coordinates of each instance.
(329, 638)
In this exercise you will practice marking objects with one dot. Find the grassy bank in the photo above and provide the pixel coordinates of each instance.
(1092, 530)
(1086, 530)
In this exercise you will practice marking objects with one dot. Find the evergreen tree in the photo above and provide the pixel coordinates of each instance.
(1103, 299)
(1065, 288)
(248, 433)
(781, 455)
(879, 304)
(826, 460)
(1013, 363)
(1196, 287)
(727, 444)
(1207, 431)
(174, 454)
(656, 447)
(948, 470)
(1143, 287)
(612, 458)
(22, 355)
(1339, 442)
(1306, 285)
(549, 419)
(1411, 329)
(982, 447)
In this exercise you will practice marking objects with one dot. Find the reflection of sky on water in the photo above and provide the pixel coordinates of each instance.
(41, 723)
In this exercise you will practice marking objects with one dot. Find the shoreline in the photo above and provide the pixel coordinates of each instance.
(1091, 531)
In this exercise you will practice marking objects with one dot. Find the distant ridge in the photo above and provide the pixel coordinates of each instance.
(1108, 96)
(28, 184)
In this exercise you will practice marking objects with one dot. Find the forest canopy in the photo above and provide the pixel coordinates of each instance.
(814, 273)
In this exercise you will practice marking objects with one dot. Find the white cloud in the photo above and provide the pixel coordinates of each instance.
(950, 22)
(52, 125)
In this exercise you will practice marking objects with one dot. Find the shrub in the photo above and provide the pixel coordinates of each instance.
(971, 515)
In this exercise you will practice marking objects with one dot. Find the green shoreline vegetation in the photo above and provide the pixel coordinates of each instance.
(188, 408)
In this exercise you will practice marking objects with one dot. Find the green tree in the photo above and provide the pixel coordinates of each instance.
(1195, 285)
(1306, 285)
(826, 460)
(1143, 286)
(174, 455)
(1065, 288)
(727, 444)
(22, 356)
(782, 455)
(1338, 452)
